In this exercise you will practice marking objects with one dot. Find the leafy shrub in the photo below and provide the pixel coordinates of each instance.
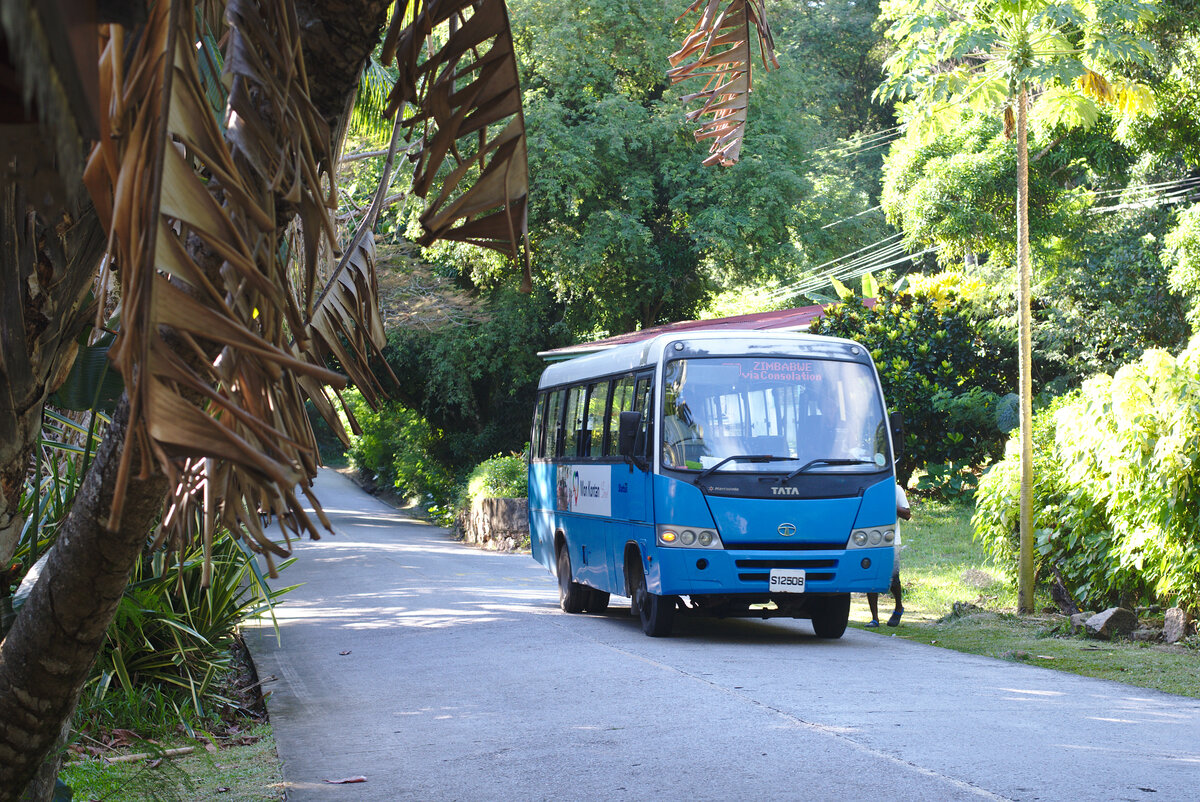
(499, 477)
(940, 366)
(1116, 499)
(173, 635)
(398, 446)
(1181, 254)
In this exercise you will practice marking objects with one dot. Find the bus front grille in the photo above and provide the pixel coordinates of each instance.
(786, 563)
(764, 576)
(785, 545)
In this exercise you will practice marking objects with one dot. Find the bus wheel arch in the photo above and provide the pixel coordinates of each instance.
(657, 613)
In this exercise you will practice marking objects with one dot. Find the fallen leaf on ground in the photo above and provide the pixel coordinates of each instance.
(346, 780)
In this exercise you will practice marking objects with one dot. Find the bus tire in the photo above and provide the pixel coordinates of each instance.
(572, 596)
(657, 613)
(830, 615)
(597, 601)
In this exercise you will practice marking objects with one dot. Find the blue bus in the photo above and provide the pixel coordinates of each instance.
(717, 473)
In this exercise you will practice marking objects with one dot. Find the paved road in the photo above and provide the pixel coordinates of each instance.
(440, 672)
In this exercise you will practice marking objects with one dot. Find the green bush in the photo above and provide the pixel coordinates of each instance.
(941, 368)
(398, 446)
(499, 477)
(1116, 501)
(172, 637)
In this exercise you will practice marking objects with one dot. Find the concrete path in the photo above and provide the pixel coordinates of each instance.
(440, 672)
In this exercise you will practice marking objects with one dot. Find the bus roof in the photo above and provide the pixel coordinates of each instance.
(798, 319)
(716, 342)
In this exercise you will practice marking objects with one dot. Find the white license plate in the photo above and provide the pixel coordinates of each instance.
(786, 580)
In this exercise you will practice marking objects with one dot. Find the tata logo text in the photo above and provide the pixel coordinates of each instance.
(785, 491)
(787, 530)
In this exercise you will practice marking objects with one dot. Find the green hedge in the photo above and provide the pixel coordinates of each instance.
(1116, 490)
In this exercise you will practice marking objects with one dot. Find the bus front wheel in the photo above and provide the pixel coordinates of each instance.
(657, 613)
(830, 615)
(572, 596)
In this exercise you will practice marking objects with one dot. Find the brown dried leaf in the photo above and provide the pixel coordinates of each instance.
(467, 88)
(718, 48)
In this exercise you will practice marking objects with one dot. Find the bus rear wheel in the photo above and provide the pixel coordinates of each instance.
(597, 601)
(572, 596)
(830, 615)
(657, 613)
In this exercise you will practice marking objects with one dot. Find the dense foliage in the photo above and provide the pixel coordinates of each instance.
(395, 447)
(474, 383)
(622, 208)
(1117, 503)
(501, 476)
(941, 367)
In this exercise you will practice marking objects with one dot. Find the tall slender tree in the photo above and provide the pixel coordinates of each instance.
(1054, 58)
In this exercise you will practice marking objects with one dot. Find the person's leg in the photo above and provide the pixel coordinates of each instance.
(873, 603)
(894, 621)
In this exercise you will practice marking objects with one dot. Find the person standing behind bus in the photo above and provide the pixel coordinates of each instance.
(905, 512)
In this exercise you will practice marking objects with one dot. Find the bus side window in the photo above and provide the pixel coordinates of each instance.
(537, 435)
(576, 415)
(622, 401)
(597, 406)
(643, 398)
(554, 424)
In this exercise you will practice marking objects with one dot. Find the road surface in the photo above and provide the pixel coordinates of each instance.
(442, 672)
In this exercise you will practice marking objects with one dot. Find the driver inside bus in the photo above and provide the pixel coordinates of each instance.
(679, 432)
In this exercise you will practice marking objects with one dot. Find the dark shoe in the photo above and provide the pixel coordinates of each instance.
(874, 622)
(894, 621)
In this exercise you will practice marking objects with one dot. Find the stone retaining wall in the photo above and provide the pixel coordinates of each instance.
(501, 524)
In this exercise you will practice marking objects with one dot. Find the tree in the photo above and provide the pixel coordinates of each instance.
(622, 208)
(44, 658)
(1000, 54)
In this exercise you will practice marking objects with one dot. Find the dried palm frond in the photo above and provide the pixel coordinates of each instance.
(210, 310)
(467, 100)
(718, 49)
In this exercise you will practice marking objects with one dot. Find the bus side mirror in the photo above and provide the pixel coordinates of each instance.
(896, 423)
(630, 427)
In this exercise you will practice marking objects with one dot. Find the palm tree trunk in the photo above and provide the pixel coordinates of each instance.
(58, 632)
(1025, 349)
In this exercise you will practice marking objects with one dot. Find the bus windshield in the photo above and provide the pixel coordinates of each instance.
(805, 414)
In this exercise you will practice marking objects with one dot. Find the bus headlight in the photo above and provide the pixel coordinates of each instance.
(871, 537)
(690, 538)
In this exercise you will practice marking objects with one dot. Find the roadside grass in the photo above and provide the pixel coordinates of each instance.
(247, 771)
(956, 598)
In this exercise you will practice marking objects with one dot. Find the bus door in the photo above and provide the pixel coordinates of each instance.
(544, 447)
(632, 506)
(587, 484)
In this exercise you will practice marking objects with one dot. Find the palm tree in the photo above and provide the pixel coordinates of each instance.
(200, 197)
(995, 55)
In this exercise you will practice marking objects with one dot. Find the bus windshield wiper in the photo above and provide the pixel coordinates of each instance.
(743, 458)
(823, 461)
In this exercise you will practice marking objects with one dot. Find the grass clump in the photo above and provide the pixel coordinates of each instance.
(956, 597)
(242, 767)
